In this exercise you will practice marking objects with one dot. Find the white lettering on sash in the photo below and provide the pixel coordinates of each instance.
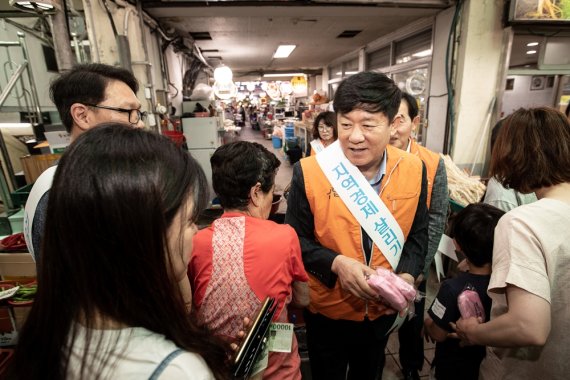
(363, 202)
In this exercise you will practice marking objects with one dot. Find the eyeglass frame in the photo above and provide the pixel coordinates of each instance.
(141, 115)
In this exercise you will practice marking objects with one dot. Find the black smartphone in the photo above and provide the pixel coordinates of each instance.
(254, 340)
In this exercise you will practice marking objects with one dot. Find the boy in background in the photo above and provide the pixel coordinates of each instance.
(472, 231)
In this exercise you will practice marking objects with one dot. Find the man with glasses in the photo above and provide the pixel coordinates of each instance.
(410, 334)
(85, 96)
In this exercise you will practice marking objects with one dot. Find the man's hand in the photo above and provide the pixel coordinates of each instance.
(465, 328)
(408, 278)
(352, 277)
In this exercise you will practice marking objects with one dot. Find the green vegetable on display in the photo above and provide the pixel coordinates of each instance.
(25, 293)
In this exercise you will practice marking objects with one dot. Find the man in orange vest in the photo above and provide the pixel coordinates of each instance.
(411, 341)
(347, 325)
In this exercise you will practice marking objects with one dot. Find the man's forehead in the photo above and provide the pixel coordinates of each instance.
(364, 115)
(121, 95)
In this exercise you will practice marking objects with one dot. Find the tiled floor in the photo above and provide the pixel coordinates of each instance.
(392, 370)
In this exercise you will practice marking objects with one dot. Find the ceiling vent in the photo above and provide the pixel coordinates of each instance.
(348, 33)
(200, 36)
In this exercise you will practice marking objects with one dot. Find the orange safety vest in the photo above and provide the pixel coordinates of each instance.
(431, 160)
(337, 229)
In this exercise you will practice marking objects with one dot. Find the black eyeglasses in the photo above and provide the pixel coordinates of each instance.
(134, 114)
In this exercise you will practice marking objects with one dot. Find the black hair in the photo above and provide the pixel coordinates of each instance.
(368, 91)
(495, 132)
(106, 253)
(329, 118)
(86, 83)
(412, 105)
(237, 167)
(473, 228)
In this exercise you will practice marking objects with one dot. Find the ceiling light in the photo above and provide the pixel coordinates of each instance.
(277, 75)
(532, 44)
(223, 74)
(531, 52)
(45, 7)
(423, 53)
(283, 51)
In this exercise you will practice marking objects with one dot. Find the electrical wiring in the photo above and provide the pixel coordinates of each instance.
(449, 136)
(113, 26)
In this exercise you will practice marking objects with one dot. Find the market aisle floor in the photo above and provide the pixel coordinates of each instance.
(392, 370)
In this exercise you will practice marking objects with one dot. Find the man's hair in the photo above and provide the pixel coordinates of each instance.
(368, 91)
(412, 105)
(86, 84)
(237, 167)
(473, 228)
(329, 118)
(532, 150)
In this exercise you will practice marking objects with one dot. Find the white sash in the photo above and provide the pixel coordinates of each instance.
(362, 202)
(317, 145)
(41, 186)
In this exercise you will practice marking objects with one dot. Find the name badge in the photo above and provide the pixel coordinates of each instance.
(280, 337)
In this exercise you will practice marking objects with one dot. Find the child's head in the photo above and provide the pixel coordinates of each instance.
(473, 230)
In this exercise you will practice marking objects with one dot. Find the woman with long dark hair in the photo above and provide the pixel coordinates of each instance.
(113, 293)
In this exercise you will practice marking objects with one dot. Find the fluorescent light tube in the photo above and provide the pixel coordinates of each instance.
(283, 51)
(276, 75)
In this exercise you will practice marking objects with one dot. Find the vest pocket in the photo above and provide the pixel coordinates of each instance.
(396, 201)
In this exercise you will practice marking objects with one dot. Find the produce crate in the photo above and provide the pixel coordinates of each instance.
(20, 196)
(455, 207)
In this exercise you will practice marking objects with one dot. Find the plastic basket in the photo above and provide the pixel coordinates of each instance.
(276, 142)
(455, 207)
(175, 136)
(289, 132)
(20, 196)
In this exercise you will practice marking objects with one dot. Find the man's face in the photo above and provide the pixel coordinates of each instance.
(117, 95)
(363, 137)
(402, 131)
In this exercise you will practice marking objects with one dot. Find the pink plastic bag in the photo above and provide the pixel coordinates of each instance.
(470, 304)
(394, 290)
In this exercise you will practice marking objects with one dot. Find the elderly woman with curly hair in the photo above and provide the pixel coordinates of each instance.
(242, 258)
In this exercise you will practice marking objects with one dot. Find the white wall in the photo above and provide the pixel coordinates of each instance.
(174, 67)
(437, 111)
(479, 56)
(522, 96)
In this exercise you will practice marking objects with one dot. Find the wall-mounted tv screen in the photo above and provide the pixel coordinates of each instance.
(544, 12)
